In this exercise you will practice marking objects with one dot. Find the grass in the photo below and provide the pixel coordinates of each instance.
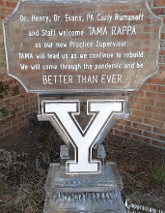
(156, 174)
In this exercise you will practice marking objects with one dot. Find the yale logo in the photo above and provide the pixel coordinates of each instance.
(63, 117)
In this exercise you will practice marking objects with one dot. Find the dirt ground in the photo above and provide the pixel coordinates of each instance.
(25, 158)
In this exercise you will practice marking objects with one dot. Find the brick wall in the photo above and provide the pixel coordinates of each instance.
(147, 106)
(146, 121)
(18, 106)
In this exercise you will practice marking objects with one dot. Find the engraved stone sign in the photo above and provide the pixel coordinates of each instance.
(88, 46)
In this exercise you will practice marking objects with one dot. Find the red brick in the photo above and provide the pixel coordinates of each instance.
(33, 109)
(26, 101)
(157, 10)
(21, 103)
(157, 143)
(28, 105)
(10, 130)
(1, 134)
(141, 113)
(8, 96)
(15, 99)
(161, 89)
(155, 109)
(4, 126)
(139, 93)
(159, 131)
(2, 17)
(6, 11)
(136, 106)
(161, 67)
(9, 107)
(151, 135)
(163, 18)
(24, 112)
(162, 52)
(13, 85)
(131, 98)
(3, 71)
(144, 101)
(27, 95)
(111, 131)
(20, 109)
(159, 3)
(4, 76)
(141, 126)
(2, 3)
(118, 132)
(33, 98)
(140, 138)
(155, 95)
(117, 126)
(2, 103)
(7, 82)
(150, 87)
(160, 103)
(15, 81)
(162, 74)
(162, 35)
(135, 118)
(9, 118)
(11, 4)
(22, 124)
(18, 120)
(149, 3)
(130, 129)
(124, 122)
(155, 80)
(159, 117)
(153, 122)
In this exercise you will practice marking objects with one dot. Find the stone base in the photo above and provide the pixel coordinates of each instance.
(83, 194)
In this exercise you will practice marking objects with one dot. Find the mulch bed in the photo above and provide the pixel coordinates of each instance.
(134, 158)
